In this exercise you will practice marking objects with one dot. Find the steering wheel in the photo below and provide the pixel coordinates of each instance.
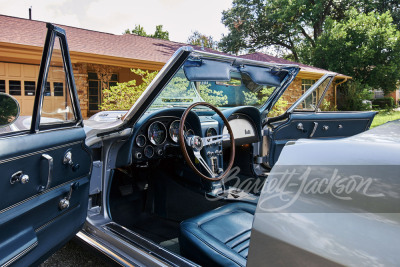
(197, 143)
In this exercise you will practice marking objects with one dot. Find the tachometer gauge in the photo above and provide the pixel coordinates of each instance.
(140, 140)
(157, 133)
(211, 132)
(174, 130)
(148, 151)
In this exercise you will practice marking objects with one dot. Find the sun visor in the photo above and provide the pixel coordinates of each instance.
(207, 70)
(265, 76)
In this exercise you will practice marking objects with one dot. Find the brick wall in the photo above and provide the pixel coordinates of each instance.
(294, 91)
(81, 81)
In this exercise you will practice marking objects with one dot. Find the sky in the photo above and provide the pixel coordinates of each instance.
(179, 17)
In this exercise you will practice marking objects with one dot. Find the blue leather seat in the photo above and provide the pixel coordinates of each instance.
(220, 237)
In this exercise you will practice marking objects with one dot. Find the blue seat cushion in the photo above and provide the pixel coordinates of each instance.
(220, 237)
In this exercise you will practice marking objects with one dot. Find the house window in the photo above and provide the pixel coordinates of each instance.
(2, 86)
(15, 87)
(58, 89)
(311, 101)
(29, 88)
(95, 89)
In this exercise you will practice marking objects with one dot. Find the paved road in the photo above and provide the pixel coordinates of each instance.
(72, 255)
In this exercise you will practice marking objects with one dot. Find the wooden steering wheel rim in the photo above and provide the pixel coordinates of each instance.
(183, 145)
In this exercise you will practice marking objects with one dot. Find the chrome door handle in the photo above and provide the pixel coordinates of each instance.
(314, 129)
(50, 173)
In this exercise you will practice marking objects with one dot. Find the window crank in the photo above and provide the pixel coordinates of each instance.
(67, 160)
(64, 203)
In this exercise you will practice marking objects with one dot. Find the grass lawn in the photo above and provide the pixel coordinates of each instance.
(384, 116)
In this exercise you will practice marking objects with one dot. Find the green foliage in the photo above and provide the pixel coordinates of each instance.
(384, 103)
(158, 34)
(124, 95)
(364, 46)
(289, 24)
(283, 23)
(352, 95)
(202, 40)
(385, 116)
(261, 97)
(326, 105)
(216, 98)
(177, 90)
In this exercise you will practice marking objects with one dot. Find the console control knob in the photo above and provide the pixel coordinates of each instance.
(160, 152)
(138, 155)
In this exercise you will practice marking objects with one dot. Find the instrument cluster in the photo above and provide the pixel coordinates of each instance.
(154, 138)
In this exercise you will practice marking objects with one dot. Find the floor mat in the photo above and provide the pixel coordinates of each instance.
(155, 228)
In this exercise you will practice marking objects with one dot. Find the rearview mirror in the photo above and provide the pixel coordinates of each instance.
(9, 110)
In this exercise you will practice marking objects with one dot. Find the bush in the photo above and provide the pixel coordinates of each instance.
(352, 95)
(384, 103)
(124, 95)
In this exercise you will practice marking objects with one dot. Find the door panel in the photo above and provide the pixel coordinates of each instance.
(321, 125)
(43, 193)
(27, 215)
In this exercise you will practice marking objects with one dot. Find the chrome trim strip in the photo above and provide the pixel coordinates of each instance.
(242, 60)
(40, 228)
(21, 254)
(39, 152)
(105, 251)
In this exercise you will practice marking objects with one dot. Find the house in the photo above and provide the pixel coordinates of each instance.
(99, 60)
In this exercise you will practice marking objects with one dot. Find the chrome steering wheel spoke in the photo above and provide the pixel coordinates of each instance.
(215, 139)
(203, 163)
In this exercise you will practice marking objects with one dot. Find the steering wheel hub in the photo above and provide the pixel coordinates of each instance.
(196, 143)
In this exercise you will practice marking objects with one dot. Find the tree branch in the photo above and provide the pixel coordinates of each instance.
(308, 37)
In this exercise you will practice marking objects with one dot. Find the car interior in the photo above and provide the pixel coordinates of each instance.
(187, 178)
(172, 185)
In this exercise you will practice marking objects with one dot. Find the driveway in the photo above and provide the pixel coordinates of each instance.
(72, 255)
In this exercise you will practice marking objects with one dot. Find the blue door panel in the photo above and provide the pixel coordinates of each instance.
(27, 214)
(321, 125)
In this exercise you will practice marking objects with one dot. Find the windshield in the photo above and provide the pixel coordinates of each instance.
(240, 90)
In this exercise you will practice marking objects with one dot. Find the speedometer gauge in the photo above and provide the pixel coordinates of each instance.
(157, 133)
(174, 130)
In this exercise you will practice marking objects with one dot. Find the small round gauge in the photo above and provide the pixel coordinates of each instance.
(149, 151)
(211, 132)
(157, 133)
(189, 132)
(140, 140)
(174, 130)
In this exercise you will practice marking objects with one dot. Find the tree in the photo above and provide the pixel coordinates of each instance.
(124, 95)
(288, 24)
(158, 34)
(364, 46)
(285, 23)
(202, 40)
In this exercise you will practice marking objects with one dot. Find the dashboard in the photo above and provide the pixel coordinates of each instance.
(155, 135)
